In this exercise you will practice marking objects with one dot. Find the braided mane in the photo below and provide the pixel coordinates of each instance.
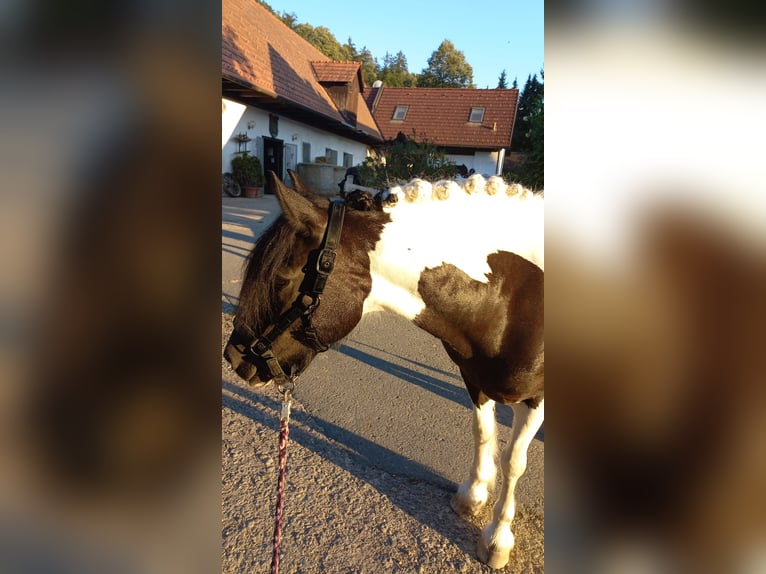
(419, 191)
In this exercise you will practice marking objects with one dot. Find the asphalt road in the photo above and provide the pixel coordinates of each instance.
(390, 399)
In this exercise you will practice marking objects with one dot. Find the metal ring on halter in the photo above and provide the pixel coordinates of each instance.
(287, 387)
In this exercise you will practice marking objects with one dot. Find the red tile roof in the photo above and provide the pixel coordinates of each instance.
(440, 115)
(336, 71)
(258, 51)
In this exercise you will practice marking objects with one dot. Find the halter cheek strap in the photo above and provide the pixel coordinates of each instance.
(320, 264)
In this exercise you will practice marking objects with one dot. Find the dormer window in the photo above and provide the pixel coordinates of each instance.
(477, 115)
(400, 112)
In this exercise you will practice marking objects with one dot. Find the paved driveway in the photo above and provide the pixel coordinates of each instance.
(381, 439)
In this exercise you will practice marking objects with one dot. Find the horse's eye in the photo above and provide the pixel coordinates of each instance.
(281, 283)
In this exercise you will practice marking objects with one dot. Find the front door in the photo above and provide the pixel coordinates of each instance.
(273, 160)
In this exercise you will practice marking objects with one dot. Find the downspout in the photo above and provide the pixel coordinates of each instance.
(500, 161)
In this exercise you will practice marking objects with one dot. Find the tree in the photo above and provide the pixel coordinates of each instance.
(369, 66)
(502, 83)
(530, 136)
(530, 102)
(322, 39)
(515, 84)
(291, 20)
(447, 68)
(394, 71)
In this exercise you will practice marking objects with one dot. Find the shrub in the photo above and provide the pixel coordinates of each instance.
(247, 171)
(402, 159)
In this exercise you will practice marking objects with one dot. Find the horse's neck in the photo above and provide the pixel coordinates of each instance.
(460, 232)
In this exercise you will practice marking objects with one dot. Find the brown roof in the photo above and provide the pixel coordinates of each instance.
(440, 115)
(265, 63)
(336, 71)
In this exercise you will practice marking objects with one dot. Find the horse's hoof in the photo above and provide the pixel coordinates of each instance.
(493, 557)
(493, 550)
(465, 508)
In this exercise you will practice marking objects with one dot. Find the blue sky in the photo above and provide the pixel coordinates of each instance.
(493, 34)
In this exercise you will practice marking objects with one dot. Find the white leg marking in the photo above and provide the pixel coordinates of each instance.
(496, 541)
(473, 493)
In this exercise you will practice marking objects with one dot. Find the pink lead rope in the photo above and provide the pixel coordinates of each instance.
(284, 432)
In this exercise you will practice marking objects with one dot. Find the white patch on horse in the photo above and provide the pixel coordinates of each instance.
(445, 222)
(472, 494)
(497, 540)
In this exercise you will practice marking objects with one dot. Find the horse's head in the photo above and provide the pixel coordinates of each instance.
(276, 277)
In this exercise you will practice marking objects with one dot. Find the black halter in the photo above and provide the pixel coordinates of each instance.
(320, 264)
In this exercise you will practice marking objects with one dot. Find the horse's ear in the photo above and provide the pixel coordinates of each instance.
(299, 185)
(299, 211)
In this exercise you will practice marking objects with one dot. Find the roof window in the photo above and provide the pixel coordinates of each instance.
(477, 115)
(400, 112)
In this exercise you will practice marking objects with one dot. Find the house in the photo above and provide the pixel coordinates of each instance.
(473, 127)
(293, 105)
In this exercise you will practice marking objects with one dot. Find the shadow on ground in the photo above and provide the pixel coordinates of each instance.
(360, 461)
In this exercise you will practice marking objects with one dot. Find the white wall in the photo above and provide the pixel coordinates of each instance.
(231, 113)
(466, 160)
(290, 131)
(482, 162)
(486, 163)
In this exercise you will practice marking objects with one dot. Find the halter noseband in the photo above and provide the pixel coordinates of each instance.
(320, 264)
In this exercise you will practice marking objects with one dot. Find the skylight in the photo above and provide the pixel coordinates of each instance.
(400, 112)
(477, 115)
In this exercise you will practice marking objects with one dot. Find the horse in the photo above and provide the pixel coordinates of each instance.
(463, 261)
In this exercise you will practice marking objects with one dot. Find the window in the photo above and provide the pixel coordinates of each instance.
(306, 152)
(348, 159)
(331, 155)
(477, 115)
(400, 112)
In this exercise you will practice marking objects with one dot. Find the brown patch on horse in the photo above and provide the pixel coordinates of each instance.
(494, 331)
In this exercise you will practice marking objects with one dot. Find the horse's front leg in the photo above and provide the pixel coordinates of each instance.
(473, 493)
(496, 541)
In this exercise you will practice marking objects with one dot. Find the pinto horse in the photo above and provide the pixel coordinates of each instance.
(463, 261)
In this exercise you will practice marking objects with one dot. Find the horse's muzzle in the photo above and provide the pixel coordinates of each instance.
(244, 361)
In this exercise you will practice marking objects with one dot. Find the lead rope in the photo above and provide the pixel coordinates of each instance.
(284, 433)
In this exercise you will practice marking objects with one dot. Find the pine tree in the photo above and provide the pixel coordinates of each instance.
(530, 102)
(502, 82)
(369, 66)
(394, 72)
(290, 19)
(529, 134)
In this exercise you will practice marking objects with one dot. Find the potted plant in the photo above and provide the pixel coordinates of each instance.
(248, 172)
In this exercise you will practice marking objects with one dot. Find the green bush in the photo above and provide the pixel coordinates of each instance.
(402, 159)
(247, 170)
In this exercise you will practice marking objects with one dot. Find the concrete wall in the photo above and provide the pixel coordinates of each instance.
(322, 178)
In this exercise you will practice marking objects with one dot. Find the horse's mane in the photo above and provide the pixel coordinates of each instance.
(271, 252)
(419, 190)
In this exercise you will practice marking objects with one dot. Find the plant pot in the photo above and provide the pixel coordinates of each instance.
(250, 191)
